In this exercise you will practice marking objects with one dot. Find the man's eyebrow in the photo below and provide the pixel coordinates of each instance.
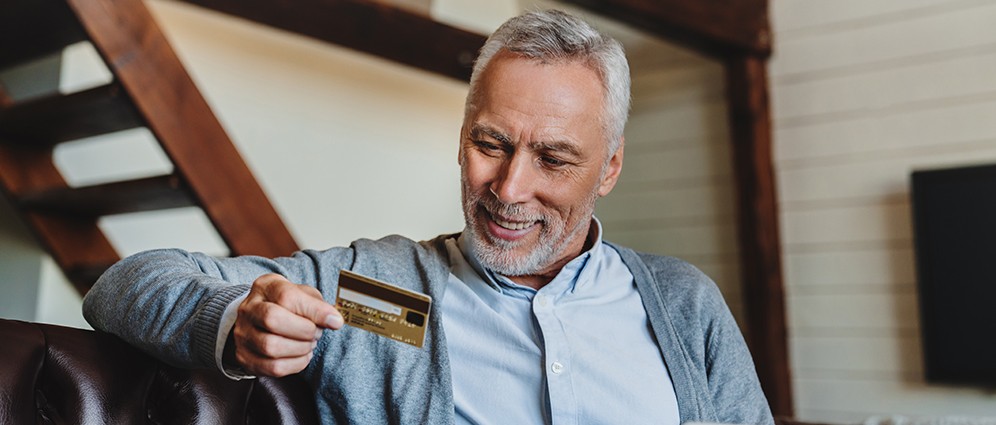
(478, 129)
(556, 146)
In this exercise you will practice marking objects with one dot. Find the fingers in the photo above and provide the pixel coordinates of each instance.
(279, 331)
(264, 353)
(278, 324)
(261, 366)
(303, 301)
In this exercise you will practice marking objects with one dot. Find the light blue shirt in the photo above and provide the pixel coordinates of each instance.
(579, 350)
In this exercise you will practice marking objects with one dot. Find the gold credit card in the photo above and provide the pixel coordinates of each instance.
(383, 308)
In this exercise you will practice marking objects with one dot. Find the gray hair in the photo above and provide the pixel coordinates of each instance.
(553, 36)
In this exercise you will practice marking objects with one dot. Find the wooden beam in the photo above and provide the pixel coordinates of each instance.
(717, 28)
(421, 7)
(137, 53)
(383, 30)
(760, 252)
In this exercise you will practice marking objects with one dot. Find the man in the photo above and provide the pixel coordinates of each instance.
(535, 319)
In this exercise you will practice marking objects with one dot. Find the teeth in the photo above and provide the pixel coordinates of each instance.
(512, 225)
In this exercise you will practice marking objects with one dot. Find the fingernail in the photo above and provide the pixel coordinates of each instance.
(334, 321)
(318, 333)
(314, 345)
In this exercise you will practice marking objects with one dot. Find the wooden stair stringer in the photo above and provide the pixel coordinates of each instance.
(139, 55)
(150, 89)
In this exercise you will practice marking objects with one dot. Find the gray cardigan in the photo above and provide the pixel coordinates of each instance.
(169, 303)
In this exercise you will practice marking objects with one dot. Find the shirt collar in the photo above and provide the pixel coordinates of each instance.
(569, 279)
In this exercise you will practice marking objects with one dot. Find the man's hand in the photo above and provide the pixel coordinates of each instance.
(278, 326)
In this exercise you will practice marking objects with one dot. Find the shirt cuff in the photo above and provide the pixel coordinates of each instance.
(224, 328)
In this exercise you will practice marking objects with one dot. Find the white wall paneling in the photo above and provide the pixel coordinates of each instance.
(865, 92)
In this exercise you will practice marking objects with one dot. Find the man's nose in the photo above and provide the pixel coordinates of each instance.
(516, 180)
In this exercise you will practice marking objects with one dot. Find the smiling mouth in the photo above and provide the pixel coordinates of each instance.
(513, 225)
(505, 224)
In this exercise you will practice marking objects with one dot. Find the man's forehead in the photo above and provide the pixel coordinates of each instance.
(519, 100)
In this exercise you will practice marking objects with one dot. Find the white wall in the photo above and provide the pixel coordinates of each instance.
(864, 92)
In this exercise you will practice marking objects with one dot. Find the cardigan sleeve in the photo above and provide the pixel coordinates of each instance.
(169, 303)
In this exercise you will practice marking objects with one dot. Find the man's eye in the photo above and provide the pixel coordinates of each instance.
(487, 146)
(552, 162)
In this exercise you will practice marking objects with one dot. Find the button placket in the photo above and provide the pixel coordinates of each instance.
(560, 387)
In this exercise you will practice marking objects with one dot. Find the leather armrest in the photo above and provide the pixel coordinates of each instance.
(55, 374)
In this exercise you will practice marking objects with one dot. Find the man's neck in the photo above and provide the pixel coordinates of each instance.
(539, 280)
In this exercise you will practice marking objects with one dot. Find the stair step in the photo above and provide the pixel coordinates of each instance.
(148, 194)
(31, 29)
(60, 118)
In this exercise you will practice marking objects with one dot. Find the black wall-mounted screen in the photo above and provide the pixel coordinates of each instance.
(954, 214)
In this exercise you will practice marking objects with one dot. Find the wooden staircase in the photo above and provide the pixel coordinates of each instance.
(150, 89)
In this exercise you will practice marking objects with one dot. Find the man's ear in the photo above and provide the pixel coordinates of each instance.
(612, 170)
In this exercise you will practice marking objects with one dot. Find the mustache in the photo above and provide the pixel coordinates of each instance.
(513, 212)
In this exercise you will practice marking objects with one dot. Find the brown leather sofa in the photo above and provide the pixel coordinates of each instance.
(58, 375)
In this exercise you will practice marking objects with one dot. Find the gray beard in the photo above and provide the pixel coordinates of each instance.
(498, 255)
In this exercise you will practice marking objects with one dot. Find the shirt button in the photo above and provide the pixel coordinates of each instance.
(541, 300)
(557, 367)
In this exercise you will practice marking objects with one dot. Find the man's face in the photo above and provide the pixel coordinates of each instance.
(533, 162)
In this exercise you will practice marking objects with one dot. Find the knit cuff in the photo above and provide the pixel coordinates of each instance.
(208, 322)
(224, 329)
